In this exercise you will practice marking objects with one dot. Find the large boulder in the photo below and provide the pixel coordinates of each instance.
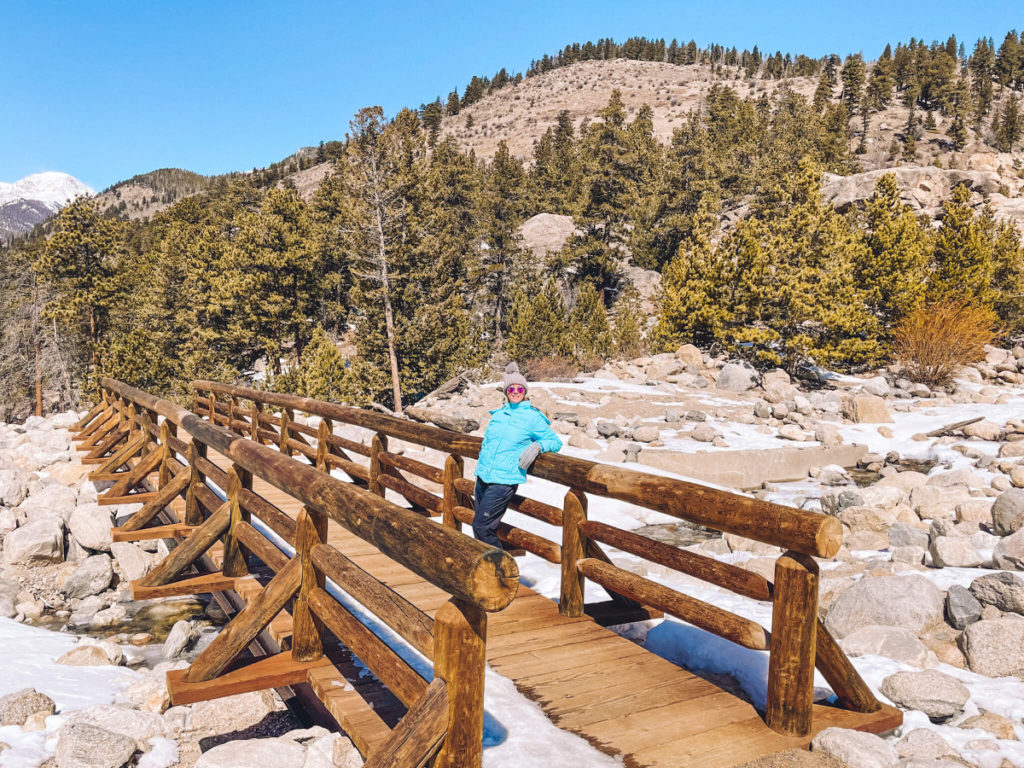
(1009, 552)
(279, 753)
(85, 746)
(35, 543)
(90, 578)
(16, 708)
(690, 356)
(933, 502)
(867, 519)
(230, 713)
(954, 552)
(90, 525)
(984, 430)
(924, 744)
(132, 561)
(9, 598)
(13, 486)
(1008, 512)
(894, 643)
(938, 695)
(962, 608)
(995, 647)
(866, 409)
(84, 656)
(854, 748)
(911, 602)
(736, 378)
(178, 639)
(53, 500)
(140, 727)
(1003, 590)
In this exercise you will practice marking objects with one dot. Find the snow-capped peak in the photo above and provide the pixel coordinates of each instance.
(51, 188)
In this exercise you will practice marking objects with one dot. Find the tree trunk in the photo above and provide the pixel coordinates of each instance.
(389, 318)
(39, 378)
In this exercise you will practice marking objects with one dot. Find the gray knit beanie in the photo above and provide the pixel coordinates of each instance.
(513, 376)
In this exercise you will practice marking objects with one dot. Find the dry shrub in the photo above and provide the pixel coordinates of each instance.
(553, 368)
(935, 341)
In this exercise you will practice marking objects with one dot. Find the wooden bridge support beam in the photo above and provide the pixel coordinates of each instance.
(574, 512)
(794, 632)
(460, 649)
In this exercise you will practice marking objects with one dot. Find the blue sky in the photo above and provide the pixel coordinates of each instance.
(107, 90)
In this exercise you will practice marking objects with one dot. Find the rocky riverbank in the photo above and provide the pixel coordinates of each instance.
(926, 595)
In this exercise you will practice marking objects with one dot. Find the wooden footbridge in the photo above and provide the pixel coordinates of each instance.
(325, 567)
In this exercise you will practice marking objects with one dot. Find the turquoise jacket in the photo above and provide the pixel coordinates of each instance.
(511, 429)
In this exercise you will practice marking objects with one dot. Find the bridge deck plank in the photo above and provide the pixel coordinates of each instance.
(615, 694)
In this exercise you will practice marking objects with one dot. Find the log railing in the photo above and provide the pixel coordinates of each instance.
(222, 512)
(797, 642)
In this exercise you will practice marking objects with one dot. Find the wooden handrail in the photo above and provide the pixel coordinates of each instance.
(794, 529)
(464, 568)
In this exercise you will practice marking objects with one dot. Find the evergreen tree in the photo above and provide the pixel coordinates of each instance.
(589, 333)
(1008, 277)
(322, 373)
(963, 257)
(892, 272)
(853, 75)
(539, 325)
(1008, 124)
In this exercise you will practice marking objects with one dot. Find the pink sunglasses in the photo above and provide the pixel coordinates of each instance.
(515, 389)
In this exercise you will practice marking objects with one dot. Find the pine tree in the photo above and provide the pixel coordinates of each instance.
(630, 323)
(853, 76)
(589, 333)
(1008, 124)
(322, 373)
(909, 138)
(1008, 277)
(879, 88)
(539, 325)
(892, 271)
(963, 256)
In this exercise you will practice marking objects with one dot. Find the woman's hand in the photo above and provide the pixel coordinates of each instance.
(529, 455)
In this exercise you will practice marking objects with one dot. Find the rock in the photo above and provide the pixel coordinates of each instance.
(16, 708)
(231, 713)
(912, 555)
(833, 476)
(854, 748)
(877, 386)
(932, 502)
(149, 695)
(955, 478)
(1008, 512)
(37, 542)
(178, 639)
(140, 727)
(13, 486)
(251, 752)
(866, 519)
(735, 377)
(828, 434)
(8, 598)
(646, 434)
(690, 356)
(1011, 450)
(90, 525)
(582, 440)
(883, 496)
(1009, 552)
(938, 695)
(132, 561)
(455, 421)
(974, 511)
(894, 643)
(911, 602)
(1017, 476)
(608, 429)
(86, 746)
(924, 744)
(1003, 590)
(108, 617)
(791, 432)
(906, 535)
(955, 552)
(52, 501)
(984, 430)
(90, 578)
(905, 481)
(962, 608)
(704, 433)
(68, 474)
(866, 409)
(84, 656)
(344, 753)
(835, 502)
(997, 725)
(995, 647)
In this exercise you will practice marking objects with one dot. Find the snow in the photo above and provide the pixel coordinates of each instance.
(51, 187)
(30, 662)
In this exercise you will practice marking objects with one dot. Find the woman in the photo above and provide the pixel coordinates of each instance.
(515, 436)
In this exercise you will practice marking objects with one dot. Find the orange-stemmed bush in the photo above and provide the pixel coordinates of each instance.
(933, 342)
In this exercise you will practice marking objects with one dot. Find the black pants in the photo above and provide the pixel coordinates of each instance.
(491, 503)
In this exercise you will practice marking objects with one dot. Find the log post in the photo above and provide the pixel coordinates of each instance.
(287, 415)
(574, 549)
(132, 424)
(378, 445)
(307, 627)
(193, 512)
(254, 416)
(195, 400)
(323, 444)
(453, 468)
(147, 435)
(232, 408)
(794, 631)
(235, 556)
(460, 649)
(168, 429)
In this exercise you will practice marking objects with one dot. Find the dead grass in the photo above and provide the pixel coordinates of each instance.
(935, 341)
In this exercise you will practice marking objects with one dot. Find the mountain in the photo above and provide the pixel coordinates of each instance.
(34, 199)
